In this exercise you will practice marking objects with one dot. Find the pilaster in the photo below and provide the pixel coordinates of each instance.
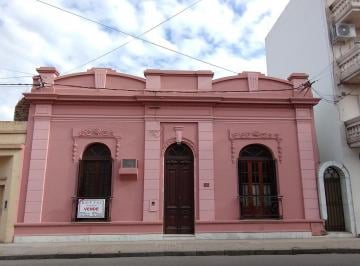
(152, 171)
(206, 171)
(307, 162)
(38, 161)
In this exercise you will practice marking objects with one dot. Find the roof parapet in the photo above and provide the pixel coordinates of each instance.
(45, 79)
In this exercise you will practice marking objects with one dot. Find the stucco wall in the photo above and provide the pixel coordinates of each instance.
(12, 140)
(289, 47)
(142, 124)
(288, 168)
(62, 168)
(300, 41)
(61, 178)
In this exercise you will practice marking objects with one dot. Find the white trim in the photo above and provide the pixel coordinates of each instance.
(158, 237)
(321, 190)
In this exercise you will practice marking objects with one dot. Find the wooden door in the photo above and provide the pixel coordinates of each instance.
(179, 190)
(334, 203)
(258, 189)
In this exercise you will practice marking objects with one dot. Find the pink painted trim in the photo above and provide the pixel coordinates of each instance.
(259, 221)
(178, 72)
(82, 228)
(244, 76)
(88, 224)
(170, 97)
(110, 73)
(26, 164)
(47, 70)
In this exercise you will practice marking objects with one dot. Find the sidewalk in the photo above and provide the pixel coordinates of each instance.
(316, 245)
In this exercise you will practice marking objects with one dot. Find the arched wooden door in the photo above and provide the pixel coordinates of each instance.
(334, 203)
(179, 190)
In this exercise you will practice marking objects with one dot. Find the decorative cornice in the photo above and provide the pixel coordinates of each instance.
(96, 132)
(186, 141)
(233, 136)
(170, 97)
(154, 133)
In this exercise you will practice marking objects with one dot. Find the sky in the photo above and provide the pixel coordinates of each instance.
(226, 33)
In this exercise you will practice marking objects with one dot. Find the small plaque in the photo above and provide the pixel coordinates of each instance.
(207, 184)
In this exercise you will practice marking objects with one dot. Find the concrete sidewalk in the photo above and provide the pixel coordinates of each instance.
(316, 245)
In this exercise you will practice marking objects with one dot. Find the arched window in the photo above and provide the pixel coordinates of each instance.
(257, 183)
(94, 183)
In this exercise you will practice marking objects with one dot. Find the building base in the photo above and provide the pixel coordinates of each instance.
(158, 237)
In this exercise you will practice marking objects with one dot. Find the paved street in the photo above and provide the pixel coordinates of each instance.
(293, 260)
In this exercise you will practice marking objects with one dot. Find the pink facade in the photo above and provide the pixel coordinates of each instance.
(137, 118)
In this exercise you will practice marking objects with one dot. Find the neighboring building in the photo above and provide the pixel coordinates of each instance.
(319, 37)
(12, 140)
(114, 156)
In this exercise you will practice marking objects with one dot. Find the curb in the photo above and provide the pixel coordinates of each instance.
(294, 251)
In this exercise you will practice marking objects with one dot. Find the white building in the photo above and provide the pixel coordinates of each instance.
(318, 37)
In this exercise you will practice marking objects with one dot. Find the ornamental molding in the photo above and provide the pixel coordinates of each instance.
(234, 136)
(186, 141)
(96, 132)
(154, 133)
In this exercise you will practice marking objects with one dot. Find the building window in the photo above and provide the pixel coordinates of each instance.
(94, 184)
(257, 183)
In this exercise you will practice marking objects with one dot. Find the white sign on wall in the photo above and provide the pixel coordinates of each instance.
(91, 208)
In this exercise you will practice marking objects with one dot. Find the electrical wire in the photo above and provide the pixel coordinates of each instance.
(16, 84)
(16, 71)
(42, 84)
(17, 77)
(323, 98)
(136, 37)
(167, 91)
(322, 72)
(141, 34)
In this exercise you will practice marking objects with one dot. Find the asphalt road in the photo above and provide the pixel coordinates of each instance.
(292, 260)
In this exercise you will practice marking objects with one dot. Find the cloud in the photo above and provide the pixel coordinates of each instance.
(228, 33)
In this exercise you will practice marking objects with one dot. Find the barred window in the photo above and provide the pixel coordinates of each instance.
(94, 179)
(257, 183)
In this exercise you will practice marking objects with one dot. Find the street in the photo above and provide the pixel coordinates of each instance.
(273, 260)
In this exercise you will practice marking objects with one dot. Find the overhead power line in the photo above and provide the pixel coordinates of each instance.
(16, 71)
(300, 88)
(16, 84)
(17, 77)
(172, 91)
(136, 37)
(323, 71)
(142, 34)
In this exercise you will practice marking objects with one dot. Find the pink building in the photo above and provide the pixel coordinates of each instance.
(114, 156)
